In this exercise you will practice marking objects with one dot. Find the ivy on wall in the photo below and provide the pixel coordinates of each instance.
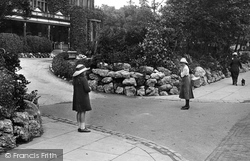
(80, 27)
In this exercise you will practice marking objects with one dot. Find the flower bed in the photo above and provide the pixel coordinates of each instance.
(35, 55)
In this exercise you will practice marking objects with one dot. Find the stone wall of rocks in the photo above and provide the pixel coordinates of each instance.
(147, 81)
(21, 127)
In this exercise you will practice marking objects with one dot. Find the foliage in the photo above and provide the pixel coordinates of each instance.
(207, 26)
(58, 5)
(6, 7)
(37, 44)
(159, 46)
(12, 91)
(61, 66)
(11, 42)
(245, 57)
(122, 31)
(11, 61)
(80, 38)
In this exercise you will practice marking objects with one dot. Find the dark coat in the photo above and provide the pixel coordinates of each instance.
(186, 91)
(81, 101)
(235, 65)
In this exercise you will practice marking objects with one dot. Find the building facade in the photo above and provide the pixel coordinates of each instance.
(41, 22)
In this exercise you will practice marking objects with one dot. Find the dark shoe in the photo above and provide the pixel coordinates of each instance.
(185, 107)
(84, 130)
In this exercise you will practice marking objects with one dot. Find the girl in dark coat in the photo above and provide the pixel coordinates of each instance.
(186, 91)
(81, 102)
(234, 68)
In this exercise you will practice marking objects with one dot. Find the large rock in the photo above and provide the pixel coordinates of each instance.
(165, 87)
(119, 90)
(163, 93)
(101, 72)
(119, 74)
(164, 70)
(136, 75)
(165, 80)
(146, 70)
(107, 80)
(94, 76)
(204, 81)
(199, 72)
(175, 77)
(197, 82)
(174, 91)
(109, 88)
(129, 82)
(176, 83)
(6, 126)
(93, 84)
(141, 91)
(130, 91)
(158, 75)
(152, 91)
(124, 74)
(121, 66)
(151, 82)
(100, 88)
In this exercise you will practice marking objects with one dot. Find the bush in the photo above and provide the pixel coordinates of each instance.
(9, 60)
(12, 92)
(245, 57)
(63, 67)
(37, 44)
(11, 42)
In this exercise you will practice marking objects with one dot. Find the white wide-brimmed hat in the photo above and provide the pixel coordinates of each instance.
(183, 60)
(79, 69)
(235, 53)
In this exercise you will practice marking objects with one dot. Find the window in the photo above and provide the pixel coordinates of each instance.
(42, 4)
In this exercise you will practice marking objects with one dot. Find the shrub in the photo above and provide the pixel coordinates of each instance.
(63, 67)
(12, 91)
(37, 44)
(11, 42)
(9, 60)
(245, 57)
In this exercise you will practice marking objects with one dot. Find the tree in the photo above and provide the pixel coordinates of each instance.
(131, 2)
(123, 30)
(143, 3)
(7, 6)
(208, 26)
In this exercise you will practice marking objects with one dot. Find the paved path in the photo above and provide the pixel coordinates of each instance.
(222, 91)
(94, 146)
(100, 144)
(236, 145)
(195, 134)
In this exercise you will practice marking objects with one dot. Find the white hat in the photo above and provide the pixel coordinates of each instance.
(79, 69)
(235, 53)
(183, 60)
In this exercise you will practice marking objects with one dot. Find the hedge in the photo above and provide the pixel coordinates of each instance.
(11, 42)
(37, 44)
(16, 44)
(63, 67)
